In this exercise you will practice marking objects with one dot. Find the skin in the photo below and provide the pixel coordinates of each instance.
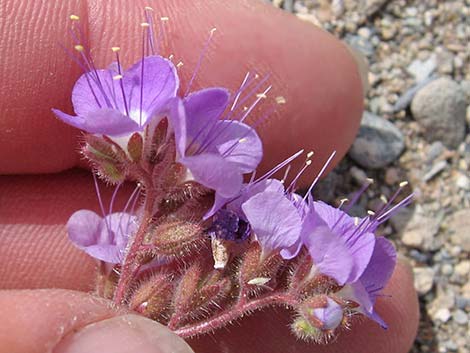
(316, 74)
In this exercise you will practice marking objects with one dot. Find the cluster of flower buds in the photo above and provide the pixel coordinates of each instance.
(200, 243)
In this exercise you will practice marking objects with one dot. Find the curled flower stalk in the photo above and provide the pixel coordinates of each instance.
(200, 243)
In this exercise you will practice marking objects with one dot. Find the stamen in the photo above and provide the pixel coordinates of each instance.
(286, 173)
(281, 165)
(239, 92)
(79, 48)
(117, 77)
(261, 95)
(310, 154)
(199, 62)
(100, 201)
(164, 18)
(342, 202)
(170, 57)
(291, 186)
(148, 8)
(115, 49)
(180, 63)
(320, 174)
(403, 184)
(145, 24)
(121, 84)
(74, 18)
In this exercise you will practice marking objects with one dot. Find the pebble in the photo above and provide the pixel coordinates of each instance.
(420, 232)
(463, 182)
(421, 70)
(440, 108)
(463, 268)
(459, 226)
(442, 314)
(423, 279)
(378, 142)
(435, 170)
(460, 317)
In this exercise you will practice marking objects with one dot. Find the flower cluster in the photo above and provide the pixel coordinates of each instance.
(198, 245)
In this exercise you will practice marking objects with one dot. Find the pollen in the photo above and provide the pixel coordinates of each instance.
(148, 8)
(164, 18)
(383, 199)
(171, 57)
(79, 48)
(117, 77)
(242, 140)
(371, 213)
(74, 17)
(403, 184)
(145, 24)
(179, 64)
(115, 49)
(280, 100)
(310, 154)
(261, 95)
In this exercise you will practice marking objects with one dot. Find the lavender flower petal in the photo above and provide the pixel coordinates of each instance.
(104, 239)
(203, 109)
(274, 220)
(238, 143)
(100, 121)
(148, 95)
(329, 252)
(215, 172)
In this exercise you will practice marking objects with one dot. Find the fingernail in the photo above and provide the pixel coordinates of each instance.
(123, 334)
(363, 67)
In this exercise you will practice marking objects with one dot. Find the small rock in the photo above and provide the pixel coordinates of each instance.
(358, 175)
(361, 44)
(420, 232)
(424, 279)
(447, 269)
(460, 317)
(421, 70)
(463, 268)
(462, 303)
(465, 85)
(463, 182)
(440, 108)
(436, 169)
(435, 150)
(459, 226)
(392, 176)
(406, 98)
(378, 142)
(442, 315)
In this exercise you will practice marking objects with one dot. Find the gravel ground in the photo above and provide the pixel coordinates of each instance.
(415, 128)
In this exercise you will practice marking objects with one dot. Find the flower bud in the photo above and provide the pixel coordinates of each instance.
(135, 146)
(322, 312)
(153, 296)
(106, 157)
(176, 239)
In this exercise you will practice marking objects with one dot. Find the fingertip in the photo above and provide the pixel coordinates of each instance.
(123, 334)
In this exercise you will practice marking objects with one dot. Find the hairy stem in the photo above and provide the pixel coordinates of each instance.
(234, 313)
(130, 267)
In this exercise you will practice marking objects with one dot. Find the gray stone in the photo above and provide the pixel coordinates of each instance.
(460, 317)
(442, 314)
(378, 142)
(435, 170)
(361, 44)
(440, 108)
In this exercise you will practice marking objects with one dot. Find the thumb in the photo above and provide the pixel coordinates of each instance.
(60, 321)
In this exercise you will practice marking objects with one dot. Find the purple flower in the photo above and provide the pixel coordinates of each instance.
(330, 316)
(216, 152)
(275, 221)
(374, 279)
(102, 238)
(339, 248)
(108, 102)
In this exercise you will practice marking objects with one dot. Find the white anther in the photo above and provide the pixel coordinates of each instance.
(280, 100)
(74, 17)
